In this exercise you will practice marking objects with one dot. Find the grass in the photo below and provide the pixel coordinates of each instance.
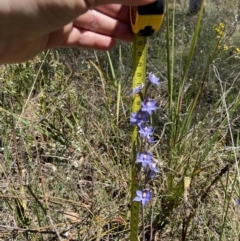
(65, 137)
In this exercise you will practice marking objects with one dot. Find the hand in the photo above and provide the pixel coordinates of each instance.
(28, 27)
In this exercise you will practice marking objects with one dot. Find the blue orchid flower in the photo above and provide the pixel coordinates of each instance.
(149, 106)
(143, 196)
(144, 158)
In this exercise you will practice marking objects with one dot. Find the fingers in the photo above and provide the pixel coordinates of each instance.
(77, 37)
(87, 39)
(95, 3)
(117, 11)
(71, 36)
(100, 23)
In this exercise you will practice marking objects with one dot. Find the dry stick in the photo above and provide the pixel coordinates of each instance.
(27, 230)
(44, 193)
(15, 146)
(20, 204)
(51, 199)
(42, 230)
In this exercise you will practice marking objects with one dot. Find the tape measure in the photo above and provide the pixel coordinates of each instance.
(145, 21)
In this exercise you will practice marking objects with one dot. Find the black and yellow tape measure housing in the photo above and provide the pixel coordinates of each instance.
(147, 20)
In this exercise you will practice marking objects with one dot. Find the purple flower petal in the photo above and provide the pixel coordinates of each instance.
(145, 131)
(149, 139)
(138, 118)
(152, 167)
(153, 79)
(139, 193)
(149, 106)
(137, 89)
(150, 175)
